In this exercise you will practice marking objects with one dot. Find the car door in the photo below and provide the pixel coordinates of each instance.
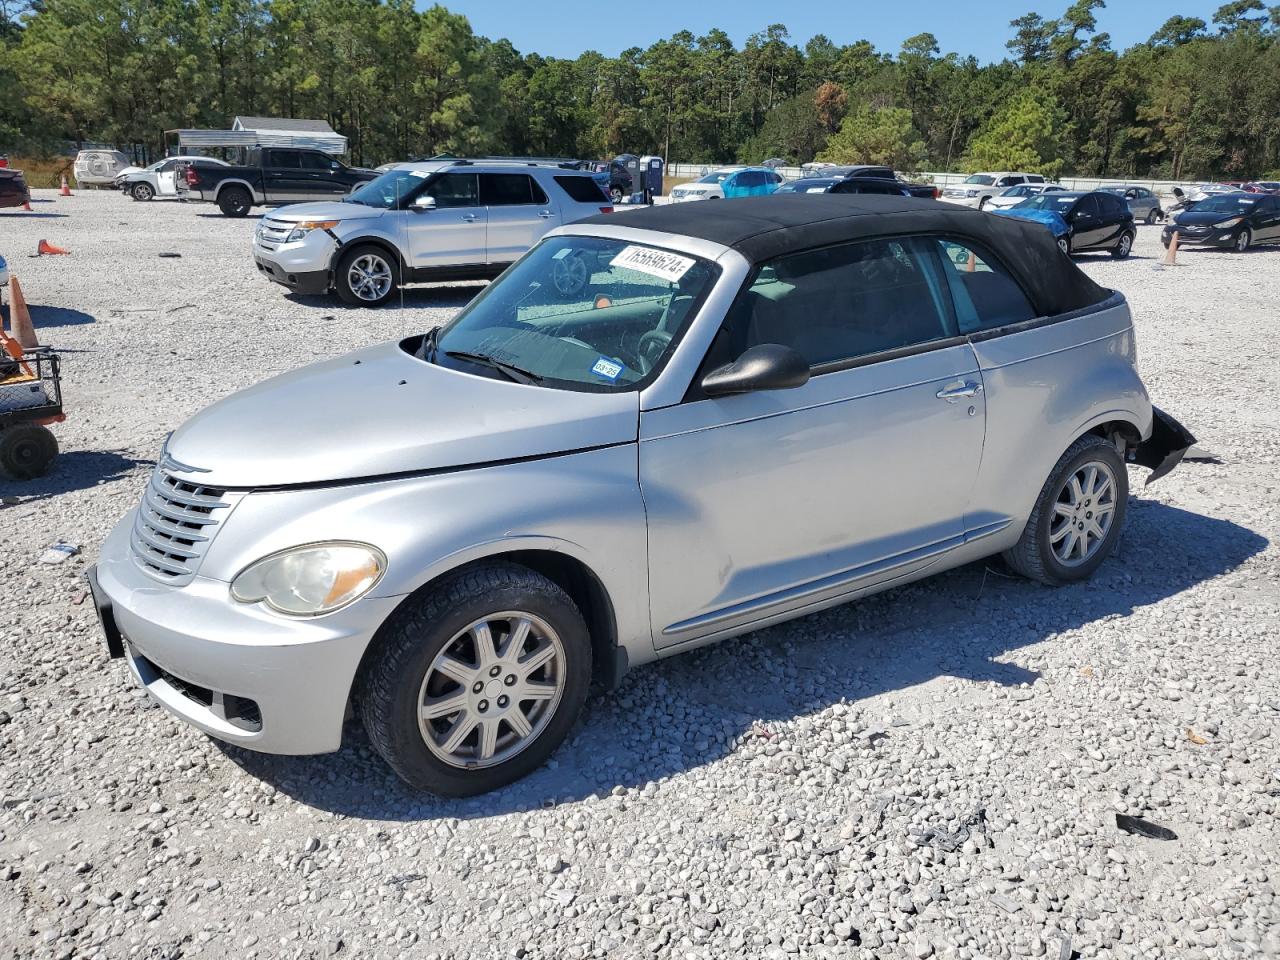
(283, 179)
(766, 503)
(519, 212)
(323, 176)
(452, 234)
(1087, 227)
(1267, 218)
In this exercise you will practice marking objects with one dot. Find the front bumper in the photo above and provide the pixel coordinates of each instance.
(235, 671)
(1204, 237)
(971, 202)
(309, 284)
(301, 265)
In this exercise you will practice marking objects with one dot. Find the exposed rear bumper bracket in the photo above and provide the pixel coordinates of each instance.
(1165, 448)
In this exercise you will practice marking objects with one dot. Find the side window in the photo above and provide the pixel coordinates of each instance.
(167, 166)
(985, 295)
(314, 161)
(282, 160)
(509, 190)
(1035, 178)
(840, 303)
(454, 190)
(1087, 207)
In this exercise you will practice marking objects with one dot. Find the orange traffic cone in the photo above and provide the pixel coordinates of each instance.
(65, 190)
(45, 248)
(1170, 258)
(20, 317)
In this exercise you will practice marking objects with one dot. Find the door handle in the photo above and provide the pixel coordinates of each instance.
(952, 394)
(468, 218)
(546, 214)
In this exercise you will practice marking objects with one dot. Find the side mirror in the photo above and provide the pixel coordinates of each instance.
(423, 204)
(334, 165)
(766, 366)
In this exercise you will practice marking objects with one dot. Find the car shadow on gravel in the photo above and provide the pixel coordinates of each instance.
(73, 470)
(419, 298)
(33, 216)
(671, 717)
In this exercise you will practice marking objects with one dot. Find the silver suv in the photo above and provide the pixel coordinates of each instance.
(746, 412)
(427, 221)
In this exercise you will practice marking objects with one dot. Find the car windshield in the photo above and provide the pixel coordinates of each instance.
(981, 179)
(578, 313)
(1022, 191)
(1048, 201)
(387, 190)
(1229, 204)
(719, 176)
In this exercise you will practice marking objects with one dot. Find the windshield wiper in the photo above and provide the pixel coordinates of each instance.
(513, 373)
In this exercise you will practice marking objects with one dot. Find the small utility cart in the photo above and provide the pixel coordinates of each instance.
(30, 400)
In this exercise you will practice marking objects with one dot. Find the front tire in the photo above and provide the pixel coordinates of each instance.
(143, 192)
(367, 276)
(1064, 244)
(1077, 518)
(441, 695)
(1123, 247)
(982, 203)
(615, 194)
(1152, 215)
(1242, 241)
(235, 202)
(27, 450)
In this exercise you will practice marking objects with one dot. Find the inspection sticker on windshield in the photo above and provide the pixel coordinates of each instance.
(609, 369)
(657, 263)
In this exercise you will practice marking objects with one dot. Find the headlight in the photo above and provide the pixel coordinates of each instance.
(310, 580)
(300, 230)
(1228, 223)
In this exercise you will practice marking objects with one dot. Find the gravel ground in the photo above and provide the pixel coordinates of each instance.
(931, 772)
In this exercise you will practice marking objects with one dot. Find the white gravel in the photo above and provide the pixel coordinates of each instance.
(802, 792)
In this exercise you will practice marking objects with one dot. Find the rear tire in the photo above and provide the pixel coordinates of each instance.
(615, 194)
(428, 655)
(1059, 514)
(27, 450)
(235, 202)
(366, 276)
(1152, 214)
(1064, 244)
(1123, 247)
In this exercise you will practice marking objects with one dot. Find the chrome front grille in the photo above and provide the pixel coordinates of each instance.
(274, 231)
(175, 522)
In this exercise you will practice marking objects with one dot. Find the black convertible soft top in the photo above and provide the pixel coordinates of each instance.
(762, 228)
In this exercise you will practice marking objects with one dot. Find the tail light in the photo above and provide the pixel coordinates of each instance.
(937, 194)
(192, 176)
(606, 209)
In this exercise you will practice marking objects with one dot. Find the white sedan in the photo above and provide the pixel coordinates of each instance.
(157, 180)
(1012, 196)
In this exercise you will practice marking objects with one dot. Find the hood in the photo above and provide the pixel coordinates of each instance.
(1054, 221)
(128, 171)
(1205, 218)
(381, 411)
(324, 210)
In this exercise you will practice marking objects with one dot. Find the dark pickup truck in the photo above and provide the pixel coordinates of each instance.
(272, 176)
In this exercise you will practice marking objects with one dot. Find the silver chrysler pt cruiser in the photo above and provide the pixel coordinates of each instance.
(651, 433)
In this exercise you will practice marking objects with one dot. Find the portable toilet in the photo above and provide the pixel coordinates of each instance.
(652, 183)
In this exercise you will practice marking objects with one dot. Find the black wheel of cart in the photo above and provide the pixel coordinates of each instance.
(27, 450)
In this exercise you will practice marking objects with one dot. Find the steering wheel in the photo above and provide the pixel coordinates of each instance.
(570, 275)
(650, 347)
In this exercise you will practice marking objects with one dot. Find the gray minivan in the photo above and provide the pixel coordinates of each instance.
(744, 414)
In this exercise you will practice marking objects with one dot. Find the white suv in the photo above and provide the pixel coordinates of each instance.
(422, 222)
(981, 187)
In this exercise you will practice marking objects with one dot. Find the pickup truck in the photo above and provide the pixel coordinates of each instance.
(272, 176)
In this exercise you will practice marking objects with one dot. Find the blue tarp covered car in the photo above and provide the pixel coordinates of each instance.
(1057, 226)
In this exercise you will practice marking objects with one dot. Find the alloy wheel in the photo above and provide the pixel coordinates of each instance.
(569, 274)
(1082, 513)
(369, 277)
(1125, 244)
(491, 690)
(1242, 241)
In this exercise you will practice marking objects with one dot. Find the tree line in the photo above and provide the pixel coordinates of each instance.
(1196, 100)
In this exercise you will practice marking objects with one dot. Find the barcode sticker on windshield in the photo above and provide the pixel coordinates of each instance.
(657, 263)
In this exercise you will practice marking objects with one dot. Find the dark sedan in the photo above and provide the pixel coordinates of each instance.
(13, 188)
(808, 185)
(1235, 220)
(1095, 220)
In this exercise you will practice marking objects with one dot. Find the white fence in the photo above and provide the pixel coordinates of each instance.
(682, 171)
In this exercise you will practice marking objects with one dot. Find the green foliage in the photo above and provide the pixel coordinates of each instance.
(1025, 135)
(1194, 101)
(877, 136)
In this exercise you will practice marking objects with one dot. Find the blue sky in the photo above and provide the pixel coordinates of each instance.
(978, 27)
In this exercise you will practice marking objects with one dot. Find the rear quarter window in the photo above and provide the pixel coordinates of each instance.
(581, 189)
